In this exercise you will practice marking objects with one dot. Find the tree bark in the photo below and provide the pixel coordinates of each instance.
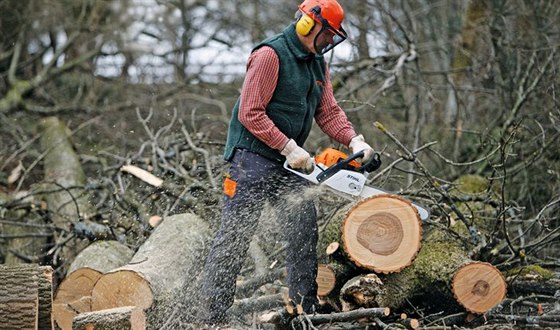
(162, 269)
(120, 318)
(74, 292)
(25, 296)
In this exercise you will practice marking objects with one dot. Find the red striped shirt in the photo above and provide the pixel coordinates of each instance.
(258, 88)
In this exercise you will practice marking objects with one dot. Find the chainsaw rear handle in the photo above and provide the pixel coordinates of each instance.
(373, 164)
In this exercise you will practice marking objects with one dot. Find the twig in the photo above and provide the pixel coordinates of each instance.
(204, 153)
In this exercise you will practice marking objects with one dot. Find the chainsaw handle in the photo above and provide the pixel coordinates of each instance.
(373, 164)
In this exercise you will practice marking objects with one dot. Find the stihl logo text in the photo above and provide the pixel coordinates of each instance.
(353, 178)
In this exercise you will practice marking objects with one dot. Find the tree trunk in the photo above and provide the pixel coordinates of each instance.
(164, 266)
(74, 293)
(120, 318)
(26, 296)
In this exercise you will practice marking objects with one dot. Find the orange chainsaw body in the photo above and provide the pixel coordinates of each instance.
(331, 156)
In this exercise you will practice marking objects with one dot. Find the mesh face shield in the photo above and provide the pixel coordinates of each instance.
(331, 34)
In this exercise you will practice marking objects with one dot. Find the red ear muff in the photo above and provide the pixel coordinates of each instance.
(304, 25)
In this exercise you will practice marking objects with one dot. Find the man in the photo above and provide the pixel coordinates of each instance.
(287, 85)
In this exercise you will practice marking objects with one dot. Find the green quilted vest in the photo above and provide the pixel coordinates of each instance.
(296, 97)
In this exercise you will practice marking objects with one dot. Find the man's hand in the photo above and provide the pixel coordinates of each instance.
(296, 156)
(358, 144)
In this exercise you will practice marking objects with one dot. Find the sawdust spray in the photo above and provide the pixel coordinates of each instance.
(186, 310)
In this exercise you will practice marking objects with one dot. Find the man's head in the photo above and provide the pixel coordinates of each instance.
(319, 25)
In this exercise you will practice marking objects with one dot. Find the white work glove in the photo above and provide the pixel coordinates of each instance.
(296, 156)
(358, 144)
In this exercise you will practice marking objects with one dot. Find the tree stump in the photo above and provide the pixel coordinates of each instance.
(26, 296)
(74, 292)
(120, 318)
(382, 233)
(164, 266)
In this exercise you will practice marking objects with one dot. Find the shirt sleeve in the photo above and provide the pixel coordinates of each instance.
(331, 118)
(258, 87)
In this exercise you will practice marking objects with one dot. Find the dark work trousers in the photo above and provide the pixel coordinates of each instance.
(258, 180)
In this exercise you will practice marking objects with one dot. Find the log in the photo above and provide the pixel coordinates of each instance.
(382, 233)
(162, 269)
(46, 321)
(63, 174)
(478, 286)
(25, 296)
(73, 295)
(326, 280)
(62, 167)
(102, 256)
(120, 318)
(250, 305)
(362, 291)
(330, 279)
(281, 316)
(349, 316)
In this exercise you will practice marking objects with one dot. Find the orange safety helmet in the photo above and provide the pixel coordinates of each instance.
(330, 10)
(329, 14)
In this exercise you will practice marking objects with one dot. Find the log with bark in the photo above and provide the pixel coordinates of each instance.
(160, 271)
(119, 318)
(26, 296)
(64, 181)
(73, 295)
(282, 319)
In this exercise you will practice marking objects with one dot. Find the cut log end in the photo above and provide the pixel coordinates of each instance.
(326, 280)
(382, 233)
(479, 286)
(121, 288)
(74, 296)
(332, 248)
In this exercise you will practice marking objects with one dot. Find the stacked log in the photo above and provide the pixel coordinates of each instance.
(26, 296)
(73, 295)
(381, 236)
(441, 269)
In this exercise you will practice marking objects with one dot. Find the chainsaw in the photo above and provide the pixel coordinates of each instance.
(346, 177)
